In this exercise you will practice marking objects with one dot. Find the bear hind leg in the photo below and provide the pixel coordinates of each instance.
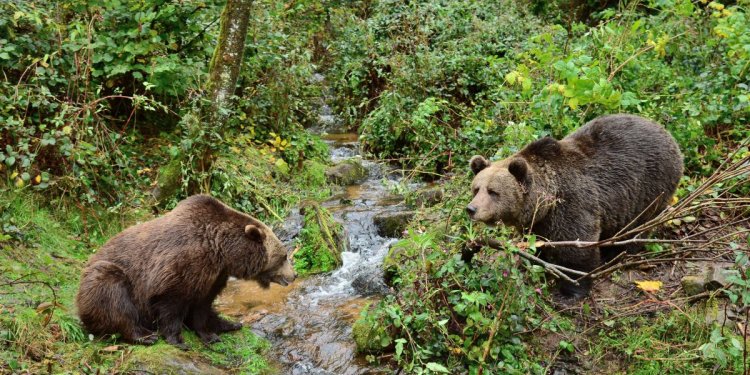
(105, 305)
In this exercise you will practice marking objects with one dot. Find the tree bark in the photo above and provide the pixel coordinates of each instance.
(227, 59)
(224, 71)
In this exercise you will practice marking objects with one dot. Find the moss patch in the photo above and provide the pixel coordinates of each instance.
(321, 242)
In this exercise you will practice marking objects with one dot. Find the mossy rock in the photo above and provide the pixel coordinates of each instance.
(347, 172)
(392, 224)
(321, 241)
(166, 359)
(370, 336)
(169, 181)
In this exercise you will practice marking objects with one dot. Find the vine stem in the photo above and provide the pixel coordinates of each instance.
(493, 330)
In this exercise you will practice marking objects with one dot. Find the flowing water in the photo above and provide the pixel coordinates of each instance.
(309, 323)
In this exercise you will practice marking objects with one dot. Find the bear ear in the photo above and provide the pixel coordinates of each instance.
(478, 163)
(254, 233)
(519, 169)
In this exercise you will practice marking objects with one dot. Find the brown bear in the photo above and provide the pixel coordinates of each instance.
(616, 171)
(166, 272)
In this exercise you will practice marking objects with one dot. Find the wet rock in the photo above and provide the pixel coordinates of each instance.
(369, 284)
(347, 172)
(392, 224)
(693, 285)
(716, 277)
(710, 277)
(288, 231)
(429, 196)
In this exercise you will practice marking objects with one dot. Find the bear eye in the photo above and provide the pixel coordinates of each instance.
(493, 193)
(474, 191)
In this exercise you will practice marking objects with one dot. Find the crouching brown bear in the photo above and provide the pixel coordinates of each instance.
(166, 272)
(616, 171)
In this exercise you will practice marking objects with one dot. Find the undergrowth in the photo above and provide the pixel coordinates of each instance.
(495, 312)
(430, 83)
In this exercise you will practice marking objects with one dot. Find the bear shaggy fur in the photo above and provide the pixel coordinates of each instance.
(166, 272)
(616, 171)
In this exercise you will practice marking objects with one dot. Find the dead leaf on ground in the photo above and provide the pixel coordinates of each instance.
(649, 286)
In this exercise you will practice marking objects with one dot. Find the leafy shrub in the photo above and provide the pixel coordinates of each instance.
(452, 314)
(431, 83)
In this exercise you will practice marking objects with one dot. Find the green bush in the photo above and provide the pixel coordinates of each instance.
(432, 83)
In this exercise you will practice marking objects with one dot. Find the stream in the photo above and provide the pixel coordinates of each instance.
(309, 323)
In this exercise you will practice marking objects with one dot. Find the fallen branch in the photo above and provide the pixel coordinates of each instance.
(555, 269)
(606, 243)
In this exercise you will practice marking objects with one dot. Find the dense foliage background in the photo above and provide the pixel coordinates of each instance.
(97, 104)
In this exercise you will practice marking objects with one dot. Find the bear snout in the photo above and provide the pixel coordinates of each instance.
(471, 210)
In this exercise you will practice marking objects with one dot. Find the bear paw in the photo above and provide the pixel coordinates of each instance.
(209, 338)
(146, 339)
(227, 326)
(177, 342)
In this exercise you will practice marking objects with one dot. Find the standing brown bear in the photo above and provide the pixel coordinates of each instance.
(166, 272)
(615, 171)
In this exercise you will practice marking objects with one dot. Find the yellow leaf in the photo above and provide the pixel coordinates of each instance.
(38, 179)
(19, 183)
(512, 77)
(674, 200)
(573, 103)
(649, 286)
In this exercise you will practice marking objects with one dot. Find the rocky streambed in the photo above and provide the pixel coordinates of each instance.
(310, 322)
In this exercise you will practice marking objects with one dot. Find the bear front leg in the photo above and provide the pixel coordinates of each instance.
(170, 313)
(221, 325)
(586, 229)
(199, 321)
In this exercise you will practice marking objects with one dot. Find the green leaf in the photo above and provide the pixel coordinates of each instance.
(432, 366)
(399, 347)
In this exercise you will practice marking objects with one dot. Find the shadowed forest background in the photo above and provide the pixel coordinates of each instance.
(109, 116)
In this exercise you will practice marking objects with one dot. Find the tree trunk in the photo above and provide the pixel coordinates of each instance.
(224, 71)
(227, 60)
(205, 127)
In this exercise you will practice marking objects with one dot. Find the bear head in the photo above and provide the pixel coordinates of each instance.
(275, 266)
(500, 191)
